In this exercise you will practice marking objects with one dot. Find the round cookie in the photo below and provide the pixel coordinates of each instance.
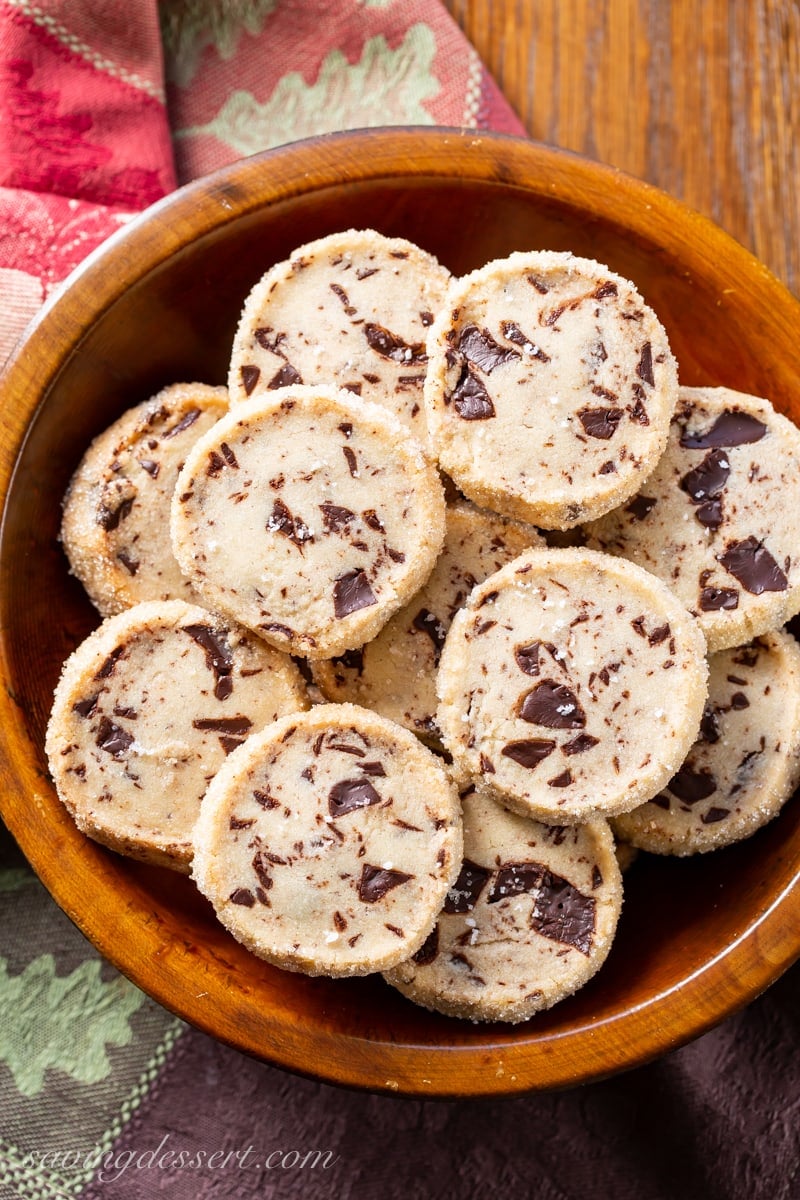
(352, 309)
(550, 388)
(529, 920)
(571, 684)
(115, 527)
(746, 762)
(717, 518)
(395, 673)
(144, 714)
(310, 516)
(328, 842)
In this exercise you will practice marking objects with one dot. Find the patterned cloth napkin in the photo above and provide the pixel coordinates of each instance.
(106, 106)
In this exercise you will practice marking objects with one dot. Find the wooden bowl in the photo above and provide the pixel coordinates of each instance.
(158, 303)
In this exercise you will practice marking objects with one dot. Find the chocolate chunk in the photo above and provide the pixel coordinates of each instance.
(250, 377)
(335, 516)
(428, 622)
(714, 814)
(514, 334)
(187, 420)
(365, 272)
(479, 347)
(600, 422)
(342, 296)
(645, 368)
(85, 708)
(528, 753)
(375, 769)
(580, 744)
(753, 566)
(373, 521)
(563, 914)
(731, 428)
(350, 794)
(739, 701)
(597, 877)
(273, 344)
(604, 289)
(562, 780)
(109, 518)
(283, 521)
(352, 461)
(219, 658)
(264, 799)
(514, 879)
(261, 865)
(709, 725)
(712, 599)
(113, 739)
(375, 882)
(242, 896)
(241, 823)
(553, 705)
(389, 345)
(238, 724)
(353, 660)
(215, 464)
(704, 484)
(351, 592)
(690, 786)
(527, 658)
(428, 950)
(110, 663)
(284, 377)
(463, 895)
(471, 400)
(131, 565)
(149, 465)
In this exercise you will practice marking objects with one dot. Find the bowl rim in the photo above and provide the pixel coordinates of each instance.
(770, 940)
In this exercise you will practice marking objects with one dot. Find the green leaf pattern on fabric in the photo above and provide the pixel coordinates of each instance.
(188, 27)
(62, 1022)
(385, 87)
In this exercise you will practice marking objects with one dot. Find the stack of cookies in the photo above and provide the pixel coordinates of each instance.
(453, 583)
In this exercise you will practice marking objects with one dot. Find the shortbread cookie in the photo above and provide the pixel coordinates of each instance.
(310, 516)
(395, 673)
(328, 842)
(744, 765)
(144, 714)
(717, 519)
(115, 528)
(352, 309)
(529, 920)
(550, 388)
(571, 684)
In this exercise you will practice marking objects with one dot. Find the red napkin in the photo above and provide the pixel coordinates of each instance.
(107, 105)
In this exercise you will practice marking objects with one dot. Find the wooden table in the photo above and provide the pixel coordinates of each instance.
(700, 97)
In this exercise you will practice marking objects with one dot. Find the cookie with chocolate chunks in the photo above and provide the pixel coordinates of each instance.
(145, 713)
(115, 527)
(529, 920)
(717, 519)
(571, 684)
(395, 673)
(310, 516)
(352, 309)
(745, 763)
(549, 389)
(328, 842)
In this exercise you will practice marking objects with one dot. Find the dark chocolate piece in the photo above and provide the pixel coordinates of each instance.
(714, 814)
(712, 598)
(514, 334)
(428, 950)
(238, 724)
(580, 744)
(375, 882)
(428, 622)
(250, 377)
(351, 592)
(109, 518)
(553, 705)
(564, 914)
(645, 367)
(113, 739)
(85, 708)
(335, 516)
(219, 658)
(528, 753)
(527, 657)
(471, 400)
(479, 347)
(600, 422)
(353, 660)
(242, 896)
(513, 879)
(389, 345)
(350, 794)
(463, 895)
(282, 520)
(690, 786)
(185, 422)
(149, 465)
(284, 377)
(753, 566)
(731, 428)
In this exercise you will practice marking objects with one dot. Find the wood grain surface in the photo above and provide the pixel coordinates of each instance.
(700, 97)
